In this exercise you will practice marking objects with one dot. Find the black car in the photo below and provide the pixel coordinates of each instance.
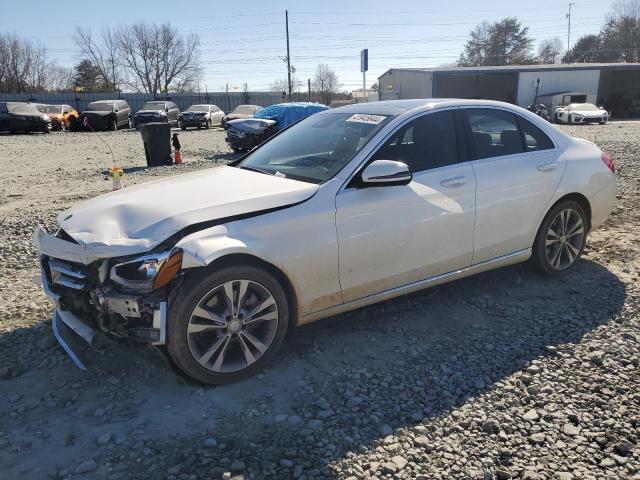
(23, 117)
(243, 135)
(105, 115)
(158, 111)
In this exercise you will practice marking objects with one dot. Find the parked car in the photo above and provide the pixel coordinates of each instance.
(243, 135)
(158, 111)
(581, 113)
(345, 208)
(201, 116)
(104, 115)
(23, 117)
(61, 115)
(241, 112)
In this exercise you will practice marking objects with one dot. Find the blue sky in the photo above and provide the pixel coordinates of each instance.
(244, 41)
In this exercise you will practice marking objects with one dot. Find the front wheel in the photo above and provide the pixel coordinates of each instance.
(561, 239)
(227, 325)
(114, 126)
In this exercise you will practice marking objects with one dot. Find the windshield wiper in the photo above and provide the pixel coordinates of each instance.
(254, 169)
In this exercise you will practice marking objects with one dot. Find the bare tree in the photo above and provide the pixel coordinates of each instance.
(23, 64)
(102, 52)
(281, 85)
(325, 83)
(59, 79)
(157, 58)
(550, 50)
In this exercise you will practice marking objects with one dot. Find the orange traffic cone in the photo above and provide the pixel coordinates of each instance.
(177, 158)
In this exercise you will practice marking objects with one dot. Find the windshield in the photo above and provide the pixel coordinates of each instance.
(153, 106)
(198, 108)
(51, 109)
(587, 107)
(316, 148)
(100, 107)
(22, 108)
(244, 110)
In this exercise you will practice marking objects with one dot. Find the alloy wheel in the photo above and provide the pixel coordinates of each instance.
(232, 326)
(565, 239)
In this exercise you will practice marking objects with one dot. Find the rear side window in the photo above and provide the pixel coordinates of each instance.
(425, 143)
(494, 133)
(534, 138)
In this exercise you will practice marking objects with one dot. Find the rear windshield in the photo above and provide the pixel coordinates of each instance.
(22, 108)
(244, 110)
(100, 107)
(153, 106)
(51, 109)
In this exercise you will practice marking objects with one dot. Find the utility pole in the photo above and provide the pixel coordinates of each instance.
(569, 26)
(286, 16)
(309, 89)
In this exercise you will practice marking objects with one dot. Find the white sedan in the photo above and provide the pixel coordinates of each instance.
(581, 113)
(201, 116)
(346, 208)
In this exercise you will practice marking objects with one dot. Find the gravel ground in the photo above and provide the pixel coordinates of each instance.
(504, 375)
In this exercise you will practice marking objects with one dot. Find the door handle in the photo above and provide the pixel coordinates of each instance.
(453, 182)
(547, 167)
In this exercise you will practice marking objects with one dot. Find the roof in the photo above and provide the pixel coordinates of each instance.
(523, 68)
(389, 107)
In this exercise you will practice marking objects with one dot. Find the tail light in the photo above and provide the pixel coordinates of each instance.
(608, 161)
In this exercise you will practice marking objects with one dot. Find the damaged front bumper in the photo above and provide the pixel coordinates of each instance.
(85, 303)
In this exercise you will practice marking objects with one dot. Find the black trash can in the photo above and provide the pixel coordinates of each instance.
(157, 143)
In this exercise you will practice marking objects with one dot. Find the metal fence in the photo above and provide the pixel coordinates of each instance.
(225, 101)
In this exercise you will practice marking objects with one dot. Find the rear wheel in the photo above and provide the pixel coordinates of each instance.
(227, 325)
(561, 239)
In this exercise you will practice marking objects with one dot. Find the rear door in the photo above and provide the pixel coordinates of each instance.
(395, 235)
(518, 169)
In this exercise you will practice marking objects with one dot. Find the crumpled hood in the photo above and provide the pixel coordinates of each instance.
(237, 116)
(136, 219)
(251, 124)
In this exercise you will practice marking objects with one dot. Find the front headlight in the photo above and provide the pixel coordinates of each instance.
(149, 272)
(163, 114)
(46, 118)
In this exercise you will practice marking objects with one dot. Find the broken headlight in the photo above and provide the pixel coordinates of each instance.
(149, 272)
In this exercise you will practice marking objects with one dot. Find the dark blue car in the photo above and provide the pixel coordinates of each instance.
(247, 133)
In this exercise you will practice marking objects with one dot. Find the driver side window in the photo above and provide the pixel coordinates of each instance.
(427, 142)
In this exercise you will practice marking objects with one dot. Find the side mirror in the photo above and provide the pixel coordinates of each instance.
(166, 109)
(381, 173)
(115, 110)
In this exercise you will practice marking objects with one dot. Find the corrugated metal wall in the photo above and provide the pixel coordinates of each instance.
(557, 81)
(401, 84)
(79, 101)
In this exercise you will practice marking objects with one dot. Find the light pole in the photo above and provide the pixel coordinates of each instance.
(569, 26)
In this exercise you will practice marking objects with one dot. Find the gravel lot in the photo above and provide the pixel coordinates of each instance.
(503, 375)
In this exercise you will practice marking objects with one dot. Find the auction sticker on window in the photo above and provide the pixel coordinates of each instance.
(364, 118)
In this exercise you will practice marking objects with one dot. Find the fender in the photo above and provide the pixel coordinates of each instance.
(206, 246)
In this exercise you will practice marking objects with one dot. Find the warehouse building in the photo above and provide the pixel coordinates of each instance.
(614, 85)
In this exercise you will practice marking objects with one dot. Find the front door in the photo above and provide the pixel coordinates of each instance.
(395, 235)
(518, 169)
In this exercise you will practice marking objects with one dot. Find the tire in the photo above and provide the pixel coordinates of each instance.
(182, 127)
(114, 126)
(224, 334)
(565, 228)
(237, 150)
(569, 122)
(208, 124)
(129, 123)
